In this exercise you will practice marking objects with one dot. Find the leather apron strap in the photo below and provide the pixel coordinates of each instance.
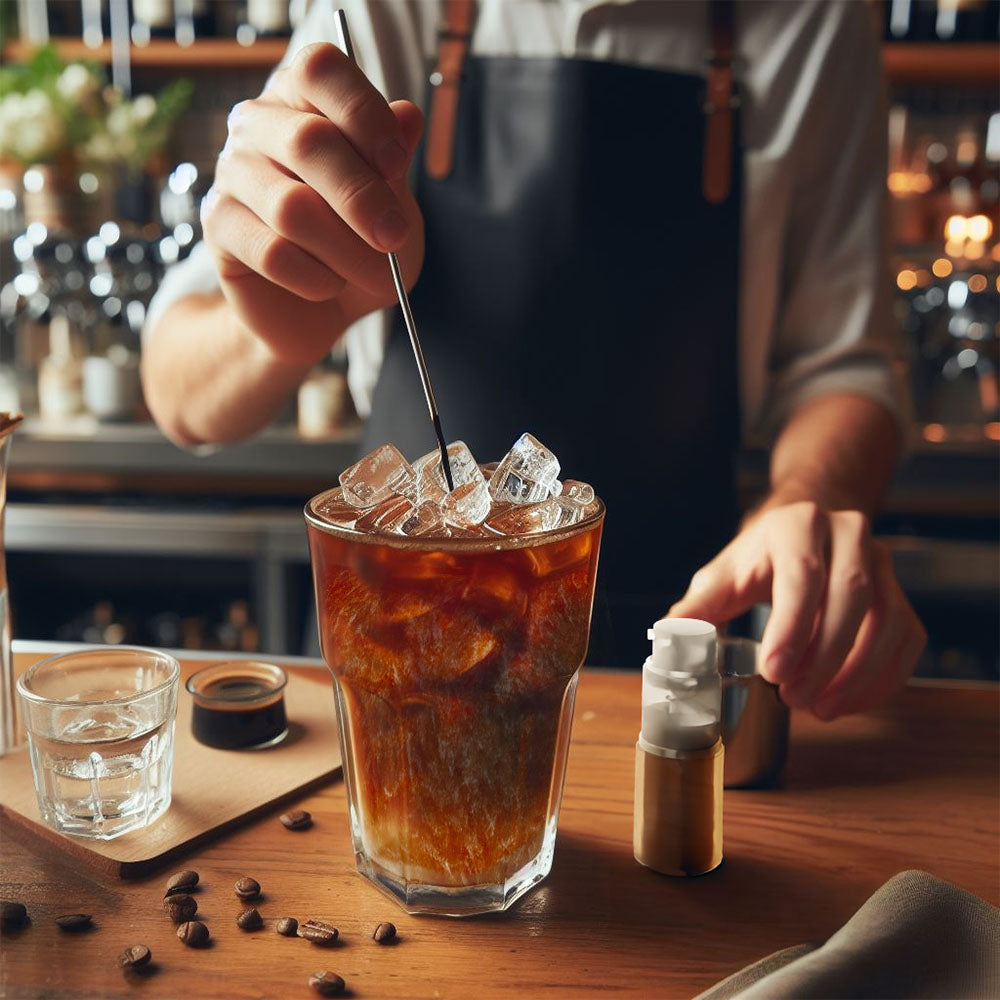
(720, 101)
(459, 18)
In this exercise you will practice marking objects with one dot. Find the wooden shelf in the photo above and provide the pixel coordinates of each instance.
(934, 62)
(904, 62)
(207, 54)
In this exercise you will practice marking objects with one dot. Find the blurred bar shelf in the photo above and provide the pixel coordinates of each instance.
(937, 62)
(904, 62)
(87, 457)
(203, 54)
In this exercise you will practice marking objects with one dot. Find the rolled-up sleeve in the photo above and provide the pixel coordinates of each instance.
(835, 330)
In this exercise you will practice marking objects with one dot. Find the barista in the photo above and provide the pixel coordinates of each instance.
(641, 231)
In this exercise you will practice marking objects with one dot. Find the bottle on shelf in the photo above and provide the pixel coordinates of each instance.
(60, 374)
(263, 19)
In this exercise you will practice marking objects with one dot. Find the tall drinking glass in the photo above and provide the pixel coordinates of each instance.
(11, 730)
(456, 663)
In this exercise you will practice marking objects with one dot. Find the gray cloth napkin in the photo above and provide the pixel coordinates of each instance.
(917, 937)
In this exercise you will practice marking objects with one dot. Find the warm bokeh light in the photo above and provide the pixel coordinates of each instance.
(898, 182)
(934, 432)
(974, 250)
(992, 431)
(906, 279)
(921, 183)
(956, 228)
(941, 267)
(995, 252)
(980, 228)
(967, 149)
(923, 278)
(954, 248)
(977, 283)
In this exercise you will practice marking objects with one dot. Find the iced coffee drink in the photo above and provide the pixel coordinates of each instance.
(455, 623)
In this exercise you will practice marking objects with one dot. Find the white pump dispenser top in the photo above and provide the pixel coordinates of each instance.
(681, 688)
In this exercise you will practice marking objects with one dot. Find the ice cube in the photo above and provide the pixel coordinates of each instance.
(467, 504)
(425, 519)
(336, 510)
(527, 519)
(526, 473)
(387, 516)
(377, 477)
(431, 479)
(581, 493)
(426, 487)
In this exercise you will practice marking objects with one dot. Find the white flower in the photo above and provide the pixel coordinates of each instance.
(143, 108)
(120, 119)
(76, 84)
(30, 128)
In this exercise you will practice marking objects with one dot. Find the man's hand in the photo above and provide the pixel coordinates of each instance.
(841, 636)
(310, 193)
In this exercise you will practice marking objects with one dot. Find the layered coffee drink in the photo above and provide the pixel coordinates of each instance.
(455, 623)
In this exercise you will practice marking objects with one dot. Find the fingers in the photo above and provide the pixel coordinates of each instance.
(736, 579)
(322, 79)
(317, 152)
(296, 212)
(848, 596)
(236, 234)
(888, 647)
(796, 537)
(879, 639)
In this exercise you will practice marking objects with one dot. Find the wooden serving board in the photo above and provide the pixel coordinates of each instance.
(213, 790)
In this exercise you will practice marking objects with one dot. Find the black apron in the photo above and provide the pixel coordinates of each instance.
(578, 285)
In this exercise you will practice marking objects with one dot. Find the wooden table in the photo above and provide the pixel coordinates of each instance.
(913, 786)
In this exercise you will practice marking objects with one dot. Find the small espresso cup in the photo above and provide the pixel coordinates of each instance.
(754, 719)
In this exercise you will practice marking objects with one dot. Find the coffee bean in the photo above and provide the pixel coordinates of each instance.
(250, 920)
(247, 888)
(297, 819)
(319, 932)
(193, 933)
(74, 921)
(184, 881)
(384, 933)
(135, 957)
(13, 914)
(180, 908)
(327, 984)
(287, 926)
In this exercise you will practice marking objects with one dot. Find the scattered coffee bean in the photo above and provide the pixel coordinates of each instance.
(385, 932)
(247, 888)
(319, 932)
(287, 926)
(297, 819)
(74, 921)
(250, 920)
(135, 957)
(184, 881)
(13, 914)
(327, 984)
(180, 908)
(193, 933)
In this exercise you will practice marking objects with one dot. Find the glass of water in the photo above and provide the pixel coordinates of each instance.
(100, 728)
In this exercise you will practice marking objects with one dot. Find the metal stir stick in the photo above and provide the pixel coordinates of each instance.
(344, 42)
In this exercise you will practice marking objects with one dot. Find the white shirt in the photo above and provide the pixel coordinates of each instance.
(815, 296)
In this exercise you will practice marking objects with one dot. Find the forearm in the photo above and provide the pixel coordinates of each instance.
(207, 379)
(838, 450)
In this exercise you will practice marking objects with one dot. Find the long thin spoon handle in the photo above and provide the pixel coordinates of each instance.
(340, 19)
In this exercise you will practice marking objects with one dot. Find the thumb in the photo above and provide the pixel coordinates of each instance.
(718, 592)
(411, 121)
